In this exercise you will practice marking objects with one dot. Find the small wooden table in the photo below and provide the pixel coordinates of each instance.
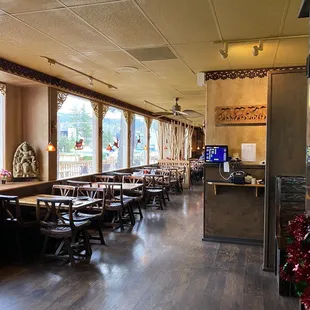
(256, 186)
(31, 201)
(126, 186)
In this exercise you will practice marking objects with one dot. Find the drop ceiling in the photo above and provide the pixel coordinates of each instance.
(168, 41)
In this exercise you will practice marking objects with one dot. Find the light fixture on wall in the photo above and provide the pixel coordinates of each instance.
(224, 51)
(51, 124)
(257, 49)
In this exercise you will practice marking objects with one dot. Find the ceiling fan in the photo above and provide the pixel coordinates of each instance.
(177, 112)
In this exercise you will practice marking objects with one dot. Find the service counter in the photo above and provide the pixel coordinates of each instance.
(233, 212)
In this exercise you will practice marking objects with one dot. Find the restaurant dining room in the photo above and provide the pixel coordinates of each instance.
(154, 154)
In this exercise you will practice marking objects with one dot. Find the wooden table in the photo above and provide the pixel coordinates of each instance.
(31, 201)
(215, 184)
(126, 186)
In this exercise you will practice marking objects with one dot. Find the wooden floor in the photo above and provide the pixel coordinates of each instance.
(161, 264)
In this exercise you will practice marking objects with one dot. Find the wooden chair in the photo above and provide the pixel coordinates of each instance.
(154, 189)
(115, 202)
(79, 183)
(168, 183)
(55, 225)
(104, 178)
(12, 219)
(94, 213)
(136, 195)
(63, 190)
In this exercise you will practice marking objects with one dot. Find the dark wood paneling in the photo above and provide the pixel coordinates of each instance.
(286, 142)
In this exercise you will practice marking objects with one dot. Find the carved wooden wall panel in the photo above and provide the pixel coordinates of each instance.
(242, 115)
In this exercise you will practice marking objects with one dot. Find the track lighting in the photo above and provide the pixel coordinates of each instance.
(91, 82)
(257, 49)
(224, 51)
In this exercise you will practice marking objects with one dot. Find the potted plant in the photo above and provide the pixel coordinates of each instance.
(4, 175)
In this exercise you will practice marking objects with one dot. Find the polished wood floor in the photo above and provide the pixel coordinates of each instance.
(161, 264)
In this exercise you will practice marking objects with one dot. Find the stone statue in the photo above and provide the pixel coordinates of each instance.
(25, 164)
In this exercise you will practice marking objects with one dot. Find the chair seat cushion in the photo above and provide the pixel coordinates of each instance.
(57, 232)
(78, 216)
(154, 190)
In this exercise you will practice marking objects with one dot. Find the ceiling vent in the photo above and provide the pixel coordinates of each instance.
(154, 53)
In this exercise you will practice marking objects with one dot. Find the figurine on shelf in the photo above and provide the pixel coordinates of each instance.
(79, 144)
(109, 147)
(116, 143)
(4, 174)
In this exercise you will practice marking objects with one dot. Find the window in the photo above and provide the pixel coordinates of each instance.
(76, 138)
(154, 142)
(2, 98)
(114, 140)
(138, 141)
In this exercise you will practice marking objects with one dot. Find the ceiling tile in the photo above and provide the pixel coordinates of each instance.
(154, 53)
(202, 56)
(182, 21)
(123, 23)
(67, 28)
(241, 57)
(294, 25)
(170, 64)
(17, 6)
(114, 59)
(15, 32)
(242, 19)
(292, 52)
(82, 2)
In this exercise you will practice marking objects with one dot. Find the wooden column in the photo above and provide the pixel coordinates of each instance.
(98, 128)
(148, 123)
(128, 117)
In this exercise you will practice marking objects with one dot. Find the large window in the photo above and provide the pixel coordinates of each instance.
(1, 130)
(114, 140)
(138, 141)
(76, 138)
(154, 142)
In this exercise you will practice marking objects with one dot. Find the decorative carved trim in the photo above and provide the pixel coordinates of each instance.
(95, 106)
(16, 69)
(241, 115)
(2, 89)
(246, 73)
(128, 117)
(148, 122)
(61, 98)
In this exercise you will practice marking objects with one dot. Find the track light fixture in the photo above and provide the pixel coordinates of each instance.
(224, 51)
(257, 49)
(91, 82)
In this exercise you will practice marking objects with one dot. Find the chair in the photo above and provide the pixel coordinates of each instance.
(168, 183)
(117, 203)
(154, 188)
(104, 178)
(79, 183)
(94, 213)
(137, 195)
(63, 190)
(55, 226)
(14, 222)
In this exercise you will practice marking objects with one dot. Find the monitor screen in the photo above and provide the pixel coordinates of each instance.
(216, 153)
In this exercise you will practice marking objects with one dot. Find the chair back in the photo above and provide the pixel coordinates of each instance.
(132, 179)
(154, 181)
(79, 183)
(63, 190)
(111, 191)
(104, 178)
(94, 193)
(6, 203)
(166, 174)
(54, 208)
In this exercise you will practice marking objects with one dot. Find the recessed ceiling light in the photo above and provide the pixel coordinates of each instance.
(126, 69)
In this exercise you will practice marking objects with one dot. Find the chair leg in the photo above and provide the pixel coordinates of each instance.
(87, 246)
(20, 256)
(121, 223)
(140, 211)
(167, 194)
(100, 233)
(70, 252)
(163, 198)
(160, 203)
(131, 215)
(43, 249)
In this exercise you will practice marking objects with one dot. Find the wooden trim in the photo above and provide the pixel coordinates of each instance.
(232, 240)
(246, 73)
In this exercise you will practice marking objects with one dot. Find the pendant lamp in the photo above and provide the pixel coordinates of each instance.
(50, 147)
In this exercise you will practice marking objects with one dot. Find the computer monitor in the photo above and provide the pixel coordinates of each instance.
(216, 153)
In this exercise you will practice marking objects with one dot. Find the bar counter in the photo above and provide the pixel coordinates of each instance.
(233, 212)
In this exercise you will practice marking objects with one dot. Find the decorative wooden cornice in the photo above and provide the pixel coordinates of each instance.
(20, 70)
(245, 73)
(2, 89)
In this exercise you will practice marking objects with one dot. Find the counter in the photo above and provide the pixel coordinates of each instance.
(233, 212)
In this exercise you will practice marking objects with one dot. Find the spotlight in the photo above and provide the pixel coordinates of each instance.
(224, 51)
(257, 49)
(91, 82)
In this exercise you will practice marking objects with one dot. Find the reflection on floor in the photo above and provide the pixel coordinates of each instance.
(161, 264)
